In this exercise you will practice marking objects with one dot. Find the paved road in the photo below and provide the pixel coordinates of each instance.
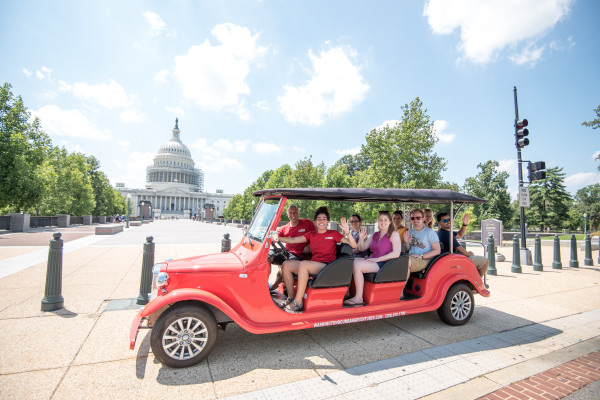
(532, 321)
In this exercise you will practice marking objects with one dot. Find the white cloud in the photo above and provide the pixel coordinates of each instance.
(334, 88)
(238, 146)
(489, 27)
(157, 25)
(596, 155)
(71, 123)
(223, 164)
(162, 75)
(26, 72)
(299, 149)
(132, 172)
(178, 112)
(582, 179)
(509, 165)
(353, 151)
(265, 148)
(529, 55)
(389, 123)
(262, 105)
(43, 73)
(109, 95)
(214, 77)
(131, 115)
(439, 127)
(123, 144)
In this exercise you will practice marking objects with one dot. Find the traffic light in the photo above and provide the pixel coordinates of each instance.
(536, 171)
(521, 132)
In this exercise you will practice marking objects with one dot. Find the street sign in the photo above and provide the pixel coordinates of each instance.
(524, 197)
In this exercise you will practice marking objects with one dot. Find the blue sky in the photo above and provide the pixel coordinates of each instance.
(257, 84)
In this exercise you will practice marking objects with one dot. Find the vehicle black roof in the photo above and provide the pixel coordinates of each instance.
(429, 196)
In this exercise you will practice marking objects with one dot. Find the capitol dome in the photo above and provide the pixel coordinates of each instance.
(174, 167)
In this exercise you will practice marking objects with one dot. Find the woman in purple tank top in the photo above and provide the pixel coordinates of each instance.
(385, 245)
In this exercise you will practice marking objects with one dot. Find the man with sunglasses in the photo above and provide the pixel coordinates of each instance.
(443, 219)
(423, 242)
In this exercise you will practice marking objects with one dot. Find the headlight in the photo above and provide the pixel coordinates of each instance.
(155, 280)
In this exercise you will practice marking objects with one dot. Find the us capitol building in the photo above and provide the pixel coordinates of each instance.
(174, 187)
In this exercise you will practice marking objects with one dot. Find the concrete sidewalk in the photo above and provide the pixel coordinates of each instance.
(532, 322)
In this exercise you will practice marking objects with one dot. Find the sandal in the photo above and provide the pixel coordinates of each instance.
(353, 303)
(281, 303)
(293, 307)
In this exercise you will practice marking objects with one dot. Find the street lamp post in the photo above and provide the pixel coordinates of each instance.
(128, 200)
(584, 225)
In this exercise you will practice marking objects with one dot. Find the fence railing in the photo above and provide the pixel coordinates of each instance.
(4, 222)
(41, 221)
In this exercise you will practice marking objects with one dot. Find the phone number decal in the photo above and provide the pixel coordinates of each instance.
(359, 319)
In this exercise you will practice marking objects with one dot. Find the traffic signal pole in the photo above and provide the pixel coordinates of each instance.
(525, 252)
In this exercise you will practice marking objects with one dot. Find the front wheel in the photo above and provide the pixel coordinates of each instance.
(183, 336)
(458, 306)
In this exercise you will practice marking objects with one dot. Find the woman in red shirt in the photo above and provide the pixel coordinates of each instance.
(323, 244)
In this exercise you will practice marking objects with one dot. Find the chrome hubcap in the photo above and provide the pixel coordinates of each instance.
(461, 305)
(184, 338)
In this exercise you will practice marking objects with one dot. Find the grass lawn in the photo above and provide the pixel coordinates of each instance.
(565, 237)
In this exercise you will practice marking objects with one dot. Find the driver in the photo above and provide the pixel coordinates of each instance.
(298, 251)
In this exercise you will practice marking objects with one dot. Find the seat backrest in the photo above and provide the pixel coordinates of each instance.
(423, 273)
(335, 274)
(394, 270)
(343, 250)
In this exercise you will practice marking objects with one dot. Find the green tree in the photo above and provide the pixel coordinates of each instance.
(68, 188)
(490, 184)
(338, 176)
(108, 200)
(594, 124)
(306, 175)
(550, 201)
(354, 163)
(402, 156)
(587, 201)
(23, 146)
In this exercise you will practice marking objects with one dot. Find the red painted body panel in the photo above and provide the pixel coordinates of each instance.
(236, 284)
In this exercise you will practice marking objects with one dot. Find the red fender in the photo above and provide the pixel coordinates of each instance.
(179, 295)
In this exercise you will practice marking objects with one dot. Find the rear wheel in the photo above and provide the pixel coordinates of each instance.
(183, 336)
(458, 306)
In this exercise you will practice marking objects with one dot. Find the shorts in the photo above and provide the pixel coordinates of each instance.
(418, 264)
(479, 261)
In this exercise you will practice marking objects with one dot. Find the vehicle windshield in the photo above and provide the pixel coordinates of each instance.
(262, 219)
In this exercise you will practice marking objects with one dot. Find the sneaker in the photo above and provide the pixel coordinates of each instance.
(293, 307)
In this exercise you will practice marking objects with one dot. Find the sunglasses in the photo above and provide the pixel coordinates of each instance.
(415, 218)
(446, 220)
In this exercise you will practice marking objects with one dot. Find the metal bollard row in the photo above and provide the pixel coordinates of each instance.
(146, 279)
(537, 263)
(573, 262)
(516, 265)
(491, 256)
(53, 299)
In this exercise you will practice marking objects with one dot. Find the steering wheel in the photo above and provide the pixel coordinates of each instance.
(279, 248)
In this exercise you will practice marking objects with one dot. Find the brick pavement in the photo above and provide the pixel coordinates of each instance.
(554, 383)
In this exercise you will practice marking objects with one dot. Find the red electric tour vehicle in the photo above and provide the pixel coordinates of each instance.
(191, 298)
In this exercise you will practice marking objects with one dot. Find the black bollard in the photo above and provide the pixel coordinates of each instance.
(146, 279)
(225, 243)
(588, 251)
(537, 263)
(491, 256)
(53, 299)
(516, 265)
(556, 264)
(573, 263)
